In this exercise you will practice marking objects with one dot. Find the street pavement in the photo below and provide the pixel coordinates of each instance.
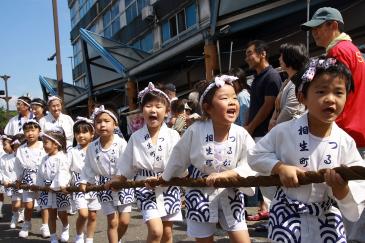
(136, 232)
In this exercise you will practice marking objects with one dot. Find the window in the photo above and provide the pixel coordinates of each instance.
(190, 15)
(79, 9)
(111, 20)
(182, 21)
(77, 53)
(145, 43)
(133, 8)
(131, 11)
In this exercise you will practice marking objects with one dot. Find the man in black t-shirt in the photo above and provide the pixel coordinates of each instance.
(264, 89)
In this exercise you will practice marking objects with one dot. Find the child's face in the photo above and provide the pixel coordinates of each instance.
(84, 138)
(55, 107)
(224, 108)
(154, 113)
(325, 98)
(31, 134)
(104, 125)
(49, 146)
(7, 147)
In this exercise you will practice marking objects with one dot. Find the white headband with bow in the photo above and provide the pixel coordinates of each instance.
(218, 82)
(101, 109)
(151, 88)
(26, 103)
(52, 98)
(84, 119)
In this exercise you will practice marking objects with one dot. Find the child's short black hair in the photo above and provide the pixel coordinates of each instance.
(110, 107)
(59, 135)
(320, 66)
(155, 96)
(31, 125)
(83, 126)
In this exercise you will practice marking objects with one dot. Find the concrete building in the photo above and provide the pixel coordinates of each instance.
(121, 45)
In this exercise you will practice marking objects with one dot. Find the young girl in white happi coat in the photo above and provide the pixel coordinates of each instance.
(55, 118)
(146, 155)
(312, 142)
(8, 175)
(56, 202)
(101, 160)
(28, 159)
(86, 203)
(216, 148)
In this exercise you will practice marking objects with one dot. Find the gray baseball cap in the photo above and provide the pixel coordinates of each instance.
(322, 15)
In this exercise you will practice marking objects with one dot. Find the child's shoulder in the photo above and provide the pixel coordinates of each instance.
(343, 134)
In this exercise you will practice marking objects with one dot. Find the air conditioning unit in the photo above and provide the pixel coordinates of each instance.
(148, 13)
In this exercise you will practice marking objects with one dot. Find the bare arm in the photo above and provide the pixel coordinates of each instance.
(262, 114)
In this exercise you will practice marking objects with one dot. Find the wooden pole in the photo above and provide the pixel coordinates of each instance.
(58, 52)
(131, 91)
(211, 60)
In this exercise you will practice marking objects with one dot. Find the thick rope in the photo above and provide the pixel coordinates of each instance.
(347, 173)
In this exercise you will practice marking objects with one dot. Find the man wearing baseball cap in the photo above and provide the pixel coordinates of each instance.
(326, 27)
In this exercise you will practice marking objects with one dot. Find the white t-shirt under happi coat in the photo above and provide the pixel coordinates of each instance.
(102, 163)
(28, 161)
(306, 213)
(144, 159)
(197, 148)
(64, 121)
(48, 175)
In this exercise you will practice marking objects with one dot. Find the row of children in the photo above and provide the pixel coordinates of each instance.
(213, 148)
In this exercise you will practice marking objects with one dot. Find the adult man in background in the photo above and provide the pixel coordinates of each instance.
(264, 89)
(15, 124)
(327, 26)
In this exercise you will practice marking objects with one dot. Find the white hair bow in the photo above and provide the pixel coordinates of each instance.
(218, 82)
(151, 88)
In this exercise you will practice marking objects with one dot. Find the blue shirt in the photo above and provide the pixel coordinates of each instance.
(244, 101)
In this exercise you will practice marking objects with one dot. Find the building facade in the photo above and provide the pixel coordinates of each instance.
(121, 45)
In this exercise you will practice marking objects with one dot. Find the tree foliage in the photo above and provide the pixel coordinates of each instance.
(4, 117)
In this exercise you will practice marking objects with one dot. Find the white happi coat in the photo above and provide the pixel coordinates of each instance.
(196, 148)
(49, 174)
(15, 124)
(144, 159)
(102, 163)
(64, 121)
(7, 170)
(289, 142)
(28, 161)
(7, 173)
(76, 157)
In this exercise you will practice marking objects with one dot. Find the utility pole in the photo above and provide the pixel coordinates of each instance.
(6, 98)
(58, 53)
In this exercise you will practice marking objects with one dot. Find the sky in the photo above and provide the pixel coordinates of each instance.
(27, 40)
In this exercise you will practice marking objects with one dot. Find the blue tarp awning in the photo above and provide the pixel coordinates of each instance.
(49, 87)
(107, 60)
